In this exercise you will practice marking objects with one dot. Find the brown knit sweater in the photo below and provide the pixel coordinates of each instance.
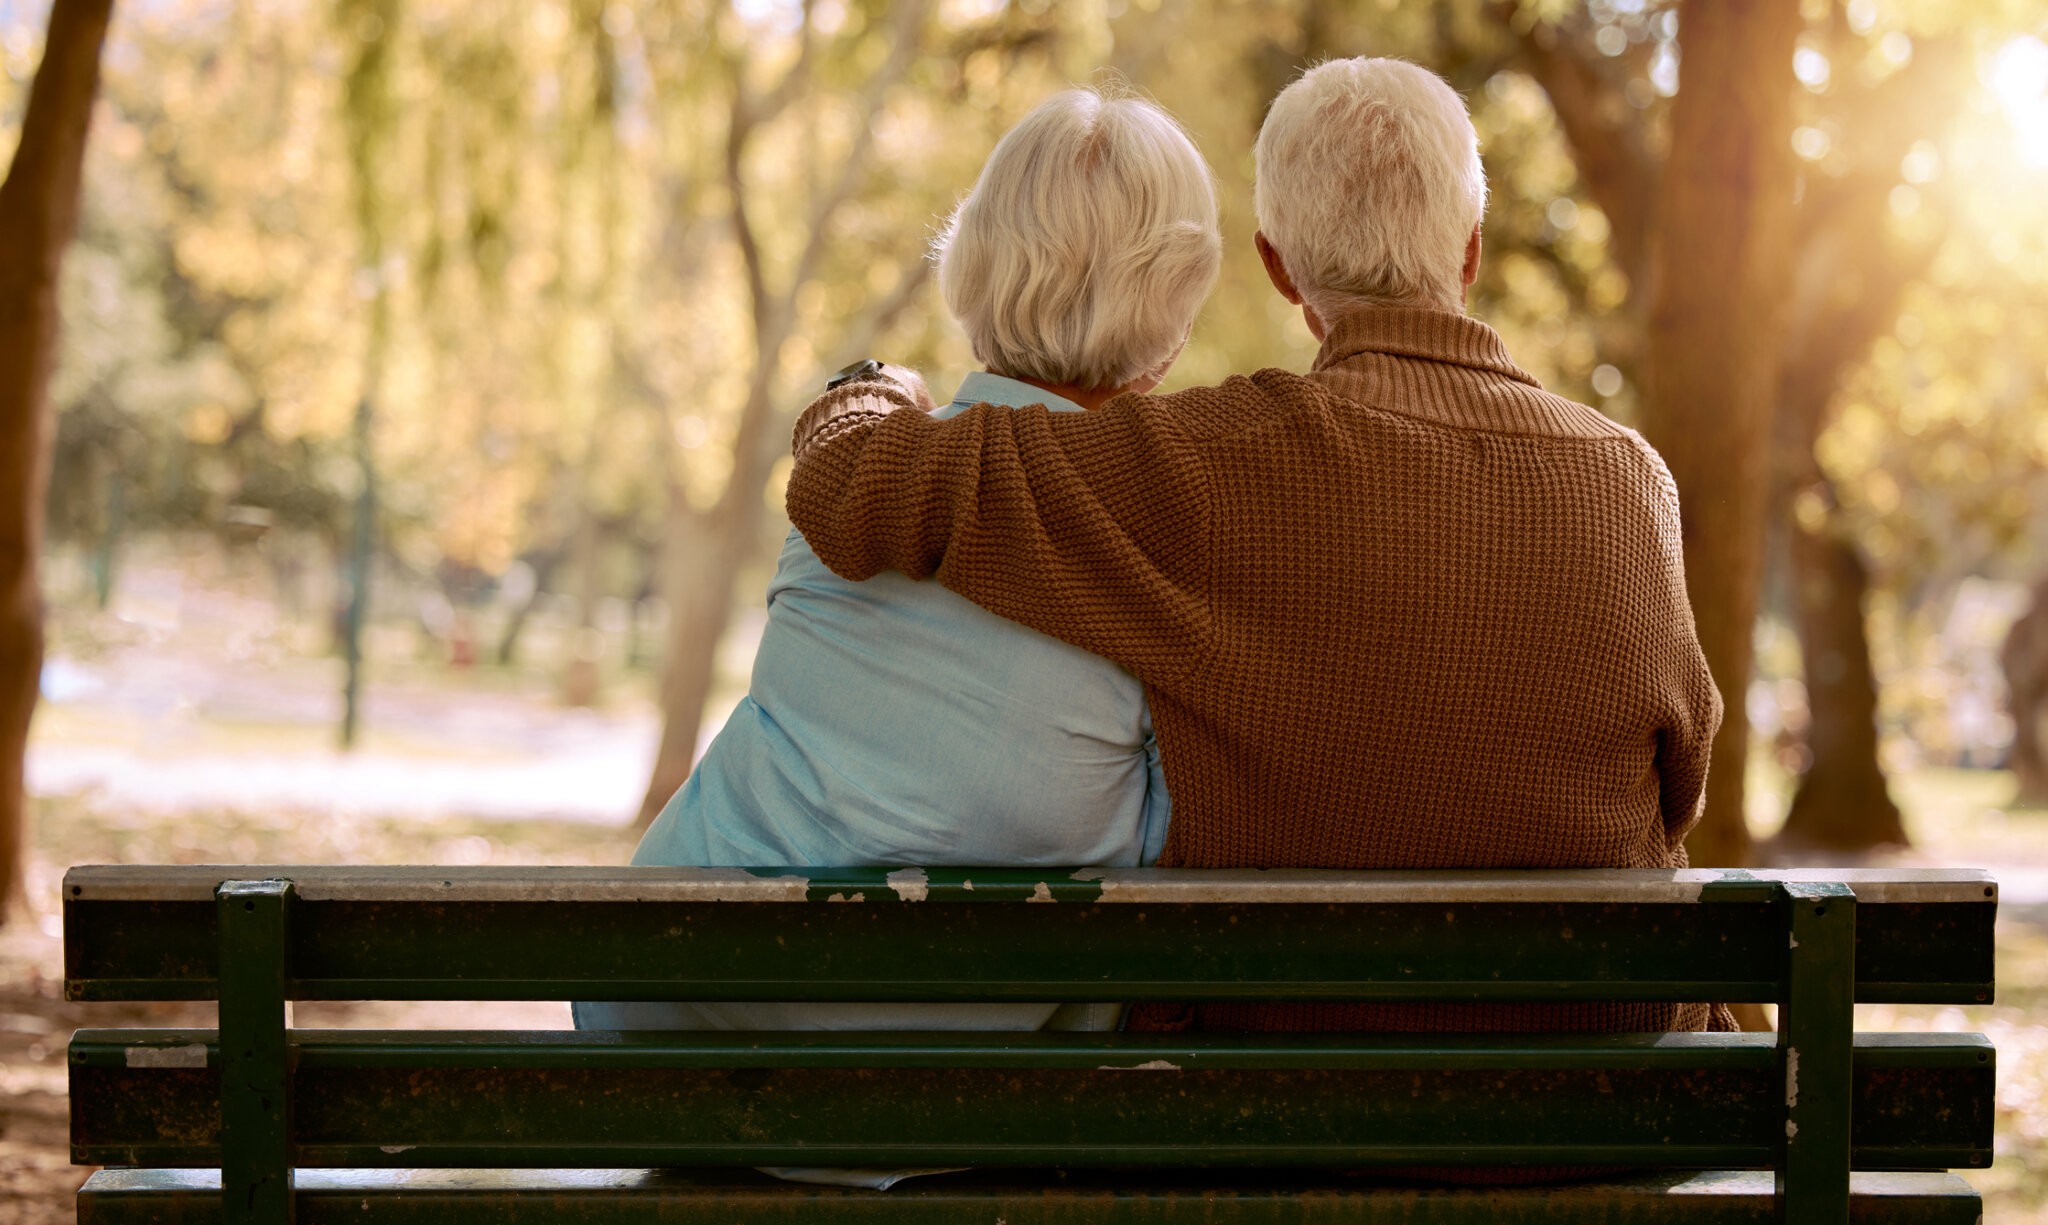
(1406, 611)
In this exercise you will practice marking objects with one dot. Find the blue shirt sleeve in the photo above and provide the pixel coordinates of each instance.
(1158, 804)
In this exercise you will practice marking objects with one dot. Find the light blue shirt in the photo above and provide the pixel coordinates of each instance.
(894, 722)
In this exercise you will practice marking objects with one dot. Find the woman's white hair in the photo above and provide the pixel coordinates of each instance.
(1087, 245)
(1369, 184)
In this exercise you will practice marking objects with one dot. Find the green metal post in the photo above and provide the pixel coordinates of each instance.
(255, 1107)
(1816, 1036)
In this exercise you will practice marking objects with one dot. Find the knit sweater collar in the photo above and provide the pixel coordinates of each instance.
(1410, 331)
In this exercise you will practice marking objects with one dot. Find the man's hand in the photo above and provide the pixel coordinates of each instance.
(909, 381)
(866, 397)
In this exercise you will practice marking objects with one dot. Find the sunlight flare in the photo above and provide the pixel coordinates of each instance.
(2018, 78)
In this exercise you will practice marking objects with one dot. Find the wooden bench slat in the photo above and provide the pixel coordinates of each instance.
(1290, 886)
(146, 945)
(547, 1197)
(369, 1099)
(500, 1048)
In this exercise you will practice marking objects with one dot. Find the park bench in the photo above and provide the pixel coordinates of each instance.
(260, 1122)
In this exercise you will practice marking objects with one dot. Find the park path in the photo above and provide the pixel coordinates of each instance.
(190, 694)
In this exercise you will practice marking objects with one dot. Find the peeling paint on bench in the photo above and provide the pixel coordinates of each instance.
(911, 885)
(425, 883)
(189, 1055)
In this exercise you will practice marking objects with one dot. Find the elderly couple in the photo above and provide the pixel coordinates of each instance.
(1404, 610)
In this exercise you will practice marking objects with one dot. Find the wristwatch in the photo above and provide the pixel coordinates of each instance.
(866, 367)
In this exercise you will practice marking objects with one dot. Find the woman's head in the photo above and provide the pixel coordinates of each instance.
(1087, 245)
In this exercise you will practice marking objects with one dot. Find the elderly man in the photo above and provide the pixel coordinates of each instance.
(1407, 610)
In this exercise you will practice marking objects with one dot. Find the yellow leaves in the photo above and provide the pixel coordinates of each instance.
(1811, 511)
(691, 431)
(1606, 289)
(1518, 97)
(1534, 289)
(1592, 226)
(778, 484)
(208, 423)
(981, 74)
(236, 260)
(799, 358)
(484, 529)
(968, 12)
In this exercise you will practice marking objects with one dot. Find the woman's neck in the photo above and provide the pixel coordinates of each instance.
(1086, 397)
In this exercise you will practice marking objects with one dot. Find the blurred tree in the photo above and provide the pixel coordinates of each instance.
(600, 297)
(1936, 452)
(39, 206)
(1850, 270)
(593, 156)
(129, 372)
(1722, 215)
(707, 548)
(220, 347)
(1868, 102)
(2025, 661)
(1703, 234)
(815, 175)
(1938, 457)
(370, 109)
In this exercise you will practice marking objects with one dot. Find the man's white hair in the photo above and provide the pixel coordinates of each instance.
(1369, 184)
(1087, 245)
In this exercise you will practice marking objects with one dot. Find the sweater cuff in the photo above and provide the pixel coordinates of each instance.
(847, 408)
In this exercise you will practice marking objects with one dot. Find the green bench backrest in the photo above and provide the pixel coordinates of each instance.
(958, 934)
(477, 1099)
(258, 1099)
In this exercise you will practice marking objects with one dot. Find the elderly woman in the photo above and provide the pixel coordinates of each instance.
(893, 722)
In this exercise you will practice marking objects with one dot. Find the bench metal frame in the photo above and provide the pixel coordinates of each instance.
(311, 933)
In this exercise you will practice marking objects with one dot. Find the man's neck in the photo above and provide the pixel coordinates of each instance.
(1319, 325)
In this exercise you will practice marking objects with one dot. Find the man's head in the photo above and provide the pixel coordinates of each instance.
(1087, 245)
(1370, 189)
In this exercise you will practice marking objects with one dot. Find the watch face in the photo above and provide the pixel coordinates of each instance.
(858, 370)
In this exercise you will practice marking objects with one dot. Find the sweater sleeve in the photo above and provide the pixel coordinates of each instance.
(1091, 527)
(1685, 743)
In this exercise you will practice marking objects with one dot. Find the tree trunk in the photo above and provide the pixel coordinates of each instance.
(39, 215)
(2025, 659)
(1842, 802)
(1722, 226)
(1847, 287)
(543, 566)
(704, 553)
(1849, 283)
(581, 672)
(107, 545)
(355, 614)
(368, 108)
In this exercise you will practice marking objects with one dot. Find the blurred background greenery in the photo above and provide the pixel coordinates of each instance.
(497, 313)
(422, 406)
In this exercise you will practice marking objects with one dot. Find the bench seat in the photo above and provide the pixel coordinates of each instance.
(605, 1197)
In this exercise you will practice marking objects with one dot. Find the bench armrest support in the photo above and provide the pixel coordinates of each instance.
(1816, 1035)
(256, 1157)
